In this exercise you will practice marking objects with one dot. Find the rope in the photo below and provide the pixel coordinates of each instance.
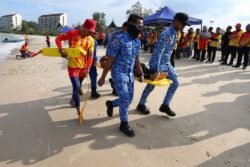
(85, 99)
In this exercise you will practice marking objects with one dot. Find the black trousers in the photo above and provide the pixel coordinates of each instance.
(201, 54)
(172, 58)
(48, 44)
(233, 51)
(243, 52)
(195, 49)
(224, 50)
(212, 53)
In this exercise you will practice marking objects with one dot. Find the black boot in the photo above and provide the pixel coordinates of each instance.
(166, 109)
(143, 109)
(236, 66)
(109, 108)
(95, 94)
(126, 129)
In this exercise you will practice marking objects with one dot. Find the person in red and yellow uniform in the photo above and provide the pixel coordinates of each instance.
(141, 36)
(182, 45)
(178, 37)
(233, 45)
(78, 67)
(244, 48)
(190, 40)
(203, 43)
(25, 50)
(196, 42)
(214, 44)
(101, 38)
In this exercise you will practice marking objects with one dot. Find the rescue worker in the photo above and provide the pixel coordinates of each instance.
(244, 49)
(233, 45)
(78, 67)
(225, 42)
(113, 36)
(122, 56)
(203, 42)
(214, 44)
(160, 63)
(196, 43)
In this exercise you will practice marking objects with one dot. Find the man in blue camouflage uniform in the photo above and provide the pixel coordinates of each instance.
(114, 35)
(160, 63)
(123, 55)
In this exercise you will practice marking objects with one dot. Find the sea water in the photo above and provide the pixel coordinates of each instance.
(6, 48)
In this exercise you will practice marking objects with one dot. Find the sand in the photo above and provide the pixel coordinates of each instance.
(38, 128)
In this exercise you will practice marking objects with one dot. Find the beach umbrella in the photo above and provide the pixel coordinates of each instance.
(165, 16)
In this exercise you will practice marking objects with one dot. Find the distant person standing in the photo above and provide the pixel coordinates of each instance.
(178, 37)
(190, 40)
(209, 48)
(225, 42)
(26, 38)
(48, 41)
(214, 44)
(244, 49)
(204, 37)
(233, 45)
(196, 43)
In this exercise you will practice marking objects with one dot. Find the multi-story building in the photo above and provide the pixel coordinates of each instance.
(51, 21)
(10, 21)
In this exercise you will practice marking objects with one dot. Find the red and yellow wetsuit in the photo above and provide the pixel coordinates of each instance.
(77, 66)
(235, 38)
(215, 40)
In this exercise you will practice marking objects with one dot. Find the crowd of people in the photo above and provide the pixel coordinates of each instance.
(201, 45)
(236, 43)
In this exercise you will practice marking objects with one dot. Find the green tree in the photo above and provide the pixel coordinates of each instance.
(100, 19)
(25, 27)
(78, 26)
(139, 10)
(33, 27)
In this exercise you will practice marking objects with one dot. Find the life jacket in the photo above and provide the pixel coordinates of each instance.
(24, 48)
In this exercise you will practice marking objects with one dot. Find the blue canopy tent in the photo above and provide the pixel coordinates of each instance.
(165, 17)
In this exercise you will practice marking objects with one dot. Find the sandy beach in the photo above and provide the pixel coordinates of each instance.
(38, 127)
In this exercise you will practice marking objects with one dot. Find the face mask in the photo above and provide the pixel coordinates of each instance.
(134, 30)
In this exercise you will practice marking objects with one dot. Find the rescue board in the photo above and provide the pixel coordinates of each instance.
(71, 52)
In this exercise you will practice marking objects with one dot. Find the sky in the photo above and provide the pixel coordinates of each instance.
(222, 12)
